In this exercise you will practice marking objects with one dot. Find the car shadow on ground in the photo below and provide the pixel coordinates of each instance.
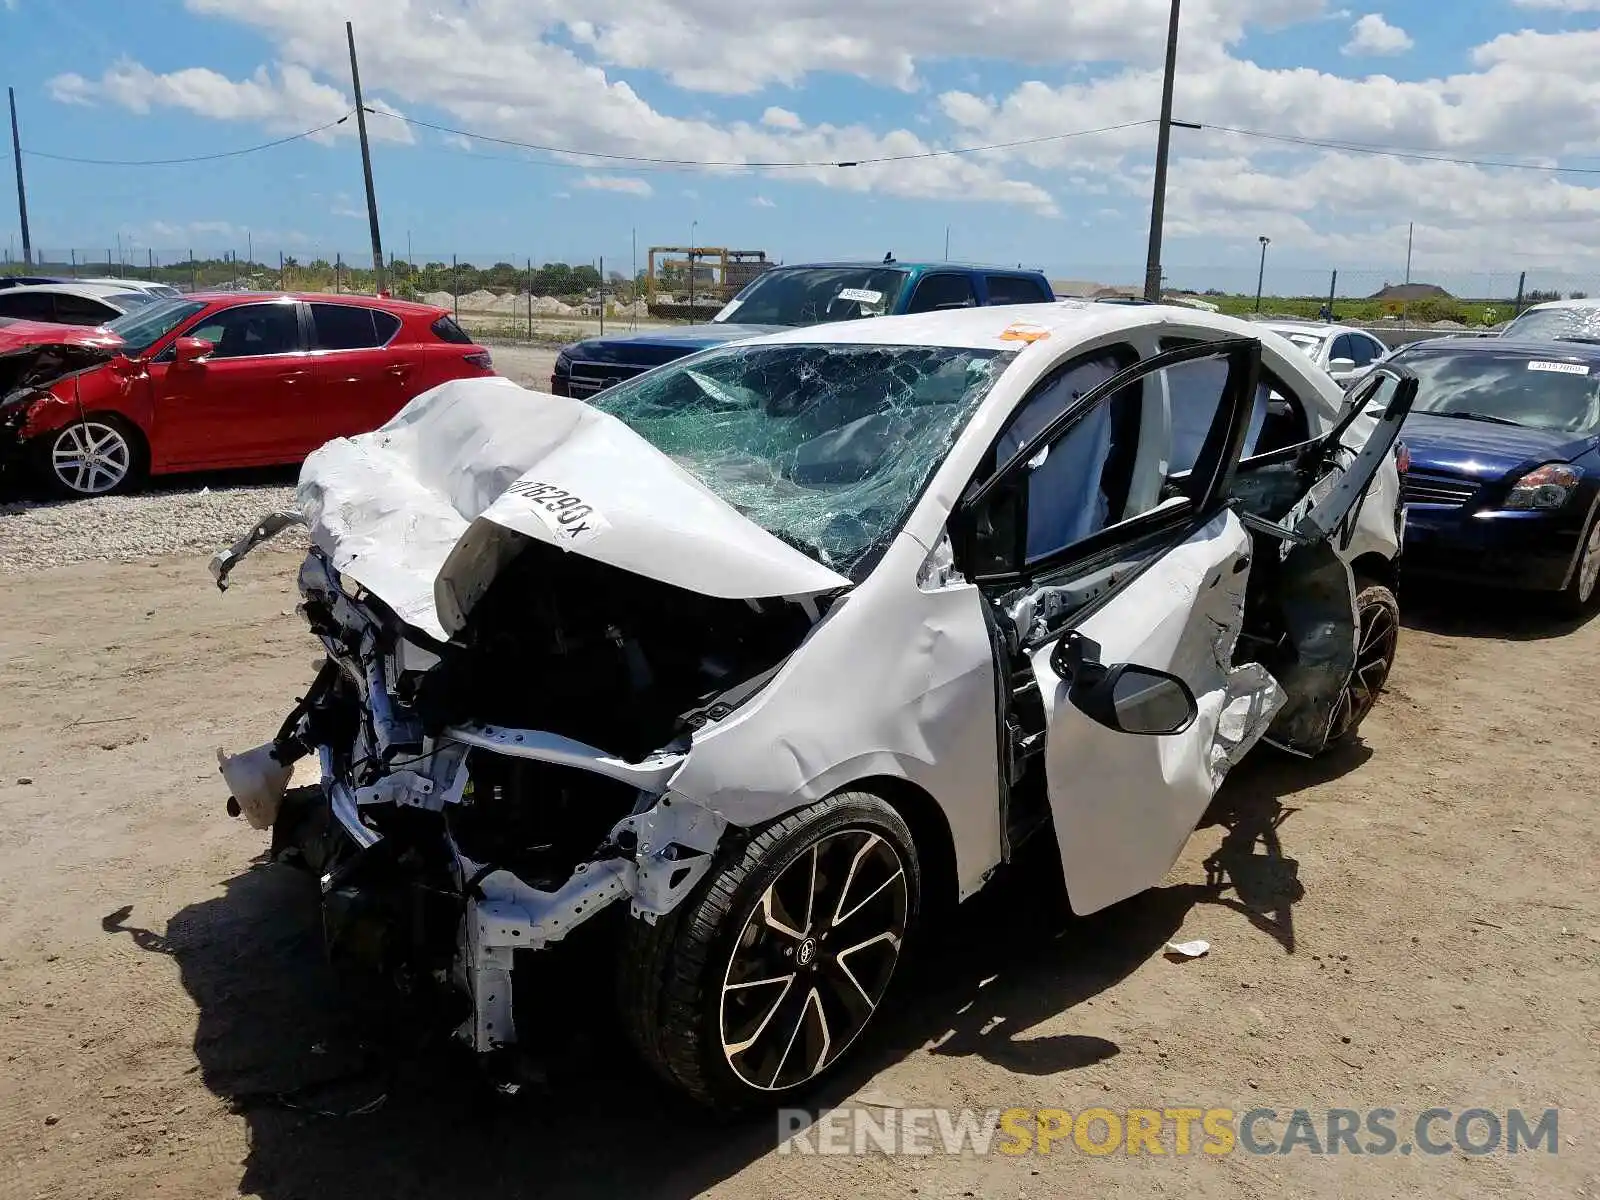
(29, 492)
(1487, 613)
(342, 1103)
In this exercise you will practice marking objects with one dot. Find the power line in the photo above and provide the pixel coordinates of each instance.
(1397, 152)
(194, 158)
(755, 164)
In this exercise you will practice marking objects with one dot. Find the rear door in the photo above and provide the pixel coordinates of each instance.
(364, 372)
(942, 290)
(249, 402)
(1142, 714)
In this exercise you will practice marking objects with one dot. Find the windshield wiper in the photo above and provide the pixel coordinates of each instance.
(1475, 416)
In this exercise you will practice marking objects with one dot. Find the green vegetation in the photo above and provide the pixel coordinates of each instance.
(1366, 311)
(561, 280)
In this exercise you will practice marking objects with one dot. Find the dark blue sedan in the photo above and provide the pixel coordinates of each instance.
(1504, 475)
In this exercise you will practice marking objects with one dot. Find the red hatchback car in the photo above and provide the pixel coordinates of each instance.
(220, 380)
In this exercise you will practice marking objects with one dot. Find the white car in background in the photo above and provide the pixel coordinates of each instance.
(79, 303)
(785, 646)
(1558, 319)
(161, 291)
(1343, 351)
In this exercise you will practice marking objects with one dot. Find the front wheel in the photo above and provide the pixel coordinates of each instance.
(96, 456)
(1377, 639)
(764, 979)
(1577, 597)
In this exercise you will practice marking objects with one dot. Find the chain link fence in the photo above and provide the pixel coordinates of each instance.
(527, 297)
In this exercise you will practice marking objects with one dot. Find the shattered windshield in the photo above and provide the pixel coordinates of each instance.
(824, 446)
(144, 327)
(814, 295)
(1513, 388)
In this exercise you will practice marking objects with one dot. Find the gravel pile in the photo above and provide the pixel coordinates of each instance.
(34, 536)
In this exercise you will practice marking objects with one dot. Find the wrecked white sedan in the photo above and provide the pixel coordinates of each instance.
(761, 655)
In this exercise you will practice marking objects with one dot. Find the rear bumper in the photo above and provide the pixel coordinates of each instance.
(1532, 551)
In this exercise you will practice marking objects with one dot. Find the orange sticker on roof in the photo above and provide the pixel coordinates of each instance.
(1022, 331)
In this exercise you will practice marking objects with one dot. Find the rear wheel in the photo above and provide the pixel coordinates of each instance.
(95, 456)
(1578, 596)
(1378, 637)
(762, 981)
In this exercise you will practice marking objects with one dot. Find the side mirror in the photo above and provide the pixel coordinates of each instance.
(190, 350)
(1341, 366)
(1134, 699)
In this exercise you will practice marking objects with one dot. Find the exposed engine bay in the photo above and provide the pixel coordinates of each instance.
(473, 814)
(24, 377)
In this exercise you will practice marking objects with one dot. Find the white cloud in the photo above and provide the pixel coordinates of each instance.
(1571, 6)
(781, 118)
(291, 99)
(763, 202)
(626, 184)
(1372, 34)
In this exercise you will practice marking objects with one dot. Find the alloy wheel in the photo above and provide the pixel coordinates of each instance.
(1589, 565)
(813, 960)
(91, 457)
(1379, 635)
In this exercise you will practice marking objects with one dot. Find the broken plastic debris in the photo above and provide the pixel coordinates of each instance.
(257, 780)
(1195, 949)
(205, 491)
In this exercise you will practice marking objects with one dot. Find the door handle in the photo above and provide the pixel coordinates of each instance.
(400, 370)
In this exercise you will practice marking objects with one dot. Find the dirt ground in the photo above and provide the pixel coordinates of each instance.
(1426, 935)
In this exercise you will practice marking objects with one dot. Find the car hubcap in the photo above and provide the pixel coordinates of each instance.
(813, 960)
(91, 457)
(1589, 565)
(1374, 656)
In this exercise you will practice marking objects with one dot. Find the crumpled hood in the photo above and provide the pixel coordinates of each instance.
(34, 355)
(660, 346)
(424, 511)
(1483, 449)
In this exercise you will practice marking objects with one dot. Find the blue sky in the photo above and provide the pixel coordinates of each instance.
(825, 80)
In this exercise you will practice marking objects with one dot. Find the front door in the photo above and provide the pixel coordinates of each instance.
(1130, 622)
(248, 402)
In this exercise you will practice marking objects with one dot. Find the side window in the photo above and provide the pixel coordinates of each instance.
(346, 327)
(81, 310)
(1194, 390)
(1079, 484)
(1366, 349)
(1343, 347)
(27, 306)
(446, 330)
(1014, 289)
(251, 330)
(936, 292)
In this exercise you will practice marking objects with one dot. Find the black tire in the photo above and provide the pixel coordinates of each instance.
(674, 975)
(126, 453)
(1578, 597)
(1378, 637)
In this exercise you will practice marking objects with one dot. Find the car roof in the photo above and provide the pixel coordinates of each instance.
(1008, 326)
(399, 307)
(897, 264)
(84, 288)
(1324, 328)
(129, 285)
(1548, 348)
(1547, 304)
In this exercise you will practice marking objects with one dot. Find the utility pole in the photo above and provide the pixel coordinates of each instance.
(1333, 286)
(947, 243)
(366, 163)
(1261, 276)
(1521, 283)
(22, 193)
(693, 225)
(602, 295)
(1411, 230)
(1158, 200)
